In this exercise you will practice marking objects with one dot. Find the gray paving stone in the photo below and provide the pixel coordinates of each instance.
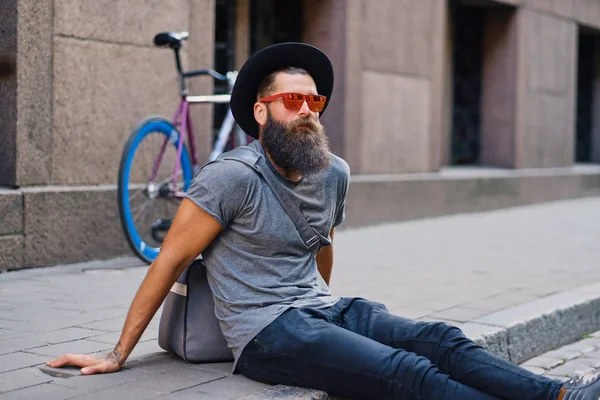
(460, 313)
(18, 326)
(77, 346)
(125, 391)
(563, 354)
(19, 343)
(241, 381)
(571, 368)
(177, 380)
(162, 362)
(103, 314)
(216, 390)
(593, 354)
(44, 391)
(146, 349)
(544, 362)
(503, 300)
(113, 337)
(10, 334)
(64, 335)
(583, 346)
(108, 325)
(281, 392)
(224, 368)
(21, 378)
(91, 383)
(540, 306)
(20, 360)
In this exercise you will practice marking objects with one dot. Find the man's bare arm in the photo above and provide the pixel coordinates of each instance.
(191, 232)
(325, 260)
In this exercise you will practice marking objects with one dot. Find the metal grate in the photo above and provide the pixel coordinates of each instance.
(585, 85)
(467, 80)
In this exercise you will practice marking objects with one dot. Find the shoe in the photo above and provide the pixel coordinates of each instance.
(582, 387)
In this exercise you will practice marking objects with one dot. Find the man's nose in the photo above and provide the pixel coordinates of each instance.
(304, 110)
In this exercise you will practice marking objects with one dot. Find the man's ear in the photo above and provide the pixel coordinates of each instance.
(260, 113)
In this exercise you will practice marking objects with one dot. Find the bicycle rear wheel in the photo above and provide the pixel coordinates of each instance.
(147, 206)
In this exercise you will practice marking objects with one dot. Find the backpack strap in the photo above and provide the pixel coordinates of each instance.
(257, 162)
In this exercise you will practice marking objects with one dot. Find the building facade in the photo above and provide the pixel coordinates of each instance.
(507, 89)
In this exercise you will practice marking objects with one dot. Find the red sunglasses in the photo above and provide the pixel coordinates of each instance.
(294, 101)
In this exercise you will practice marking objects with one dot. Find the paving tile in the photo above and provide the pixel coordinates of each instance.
(77, 346)
(540, 306)
(593, 354)
(108, 325)
(21, 378)
(281, 392)
(113, 337)
(125, 391)
(19, 359)
(459, 314)
(64, 335)
(224, 368)
(163, 362)
(502, 300)
(45, 391)
(177, 380)
(145, 349)
(583, 346)
(241, 381)
(563, 354)
(216, 390)
(19, 343)
(571, 368)
(18, 326)
(544, 362)
(100, 381)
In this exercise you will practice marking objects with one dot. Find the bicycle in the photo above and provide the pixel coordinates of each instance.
(157, 168)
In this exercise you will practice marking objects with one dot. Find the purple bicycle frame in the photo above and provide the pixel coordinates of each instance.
(182, 121)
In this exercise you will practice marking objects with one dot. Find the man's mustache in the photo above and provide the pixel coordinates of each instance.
(304, 123)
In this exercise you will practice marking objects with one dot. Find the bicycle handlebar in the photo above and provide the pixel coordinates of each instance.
(210, 72)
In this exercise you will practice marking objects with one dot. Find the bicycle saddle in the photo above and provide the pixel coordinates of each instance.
(171, 39)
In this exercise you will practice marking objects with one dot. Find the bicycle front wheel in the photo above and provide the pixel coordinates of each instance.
(146, 191)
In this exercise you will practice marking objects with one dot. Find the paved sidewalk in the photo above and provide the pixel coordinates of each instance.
(580, 357)
(502, 276)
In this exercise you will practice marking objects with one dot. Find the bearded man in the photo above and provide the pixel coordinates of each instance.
(271, 291)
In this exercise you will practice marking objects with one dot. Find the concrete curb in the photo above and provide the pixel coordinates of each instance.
(527, 330)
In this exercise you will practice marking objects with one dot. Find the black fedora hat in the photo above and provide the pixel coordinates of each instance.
(272, 58)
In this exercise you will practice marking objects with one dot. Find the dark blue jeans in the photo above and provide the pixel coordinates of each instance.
(357, 349)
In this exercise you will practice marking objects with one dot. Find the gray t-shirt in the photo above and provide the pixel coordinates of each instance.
(258, 266)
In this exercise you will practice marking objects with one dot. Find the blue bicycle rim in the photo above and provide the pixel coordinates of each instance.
(167, 129)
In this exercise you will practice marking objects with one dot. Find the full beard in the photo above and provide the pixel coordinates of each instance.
(301, 151)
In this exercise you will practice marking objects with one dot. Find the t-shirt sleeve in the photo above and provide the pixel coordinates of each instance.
(344, 182)
(219, 189)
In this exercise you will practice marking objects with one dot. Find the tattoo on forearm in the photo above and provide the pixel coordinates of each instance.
(117, 354)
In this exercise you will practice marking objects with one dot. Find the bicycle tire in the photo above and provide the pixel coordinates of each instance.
(145, 250)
